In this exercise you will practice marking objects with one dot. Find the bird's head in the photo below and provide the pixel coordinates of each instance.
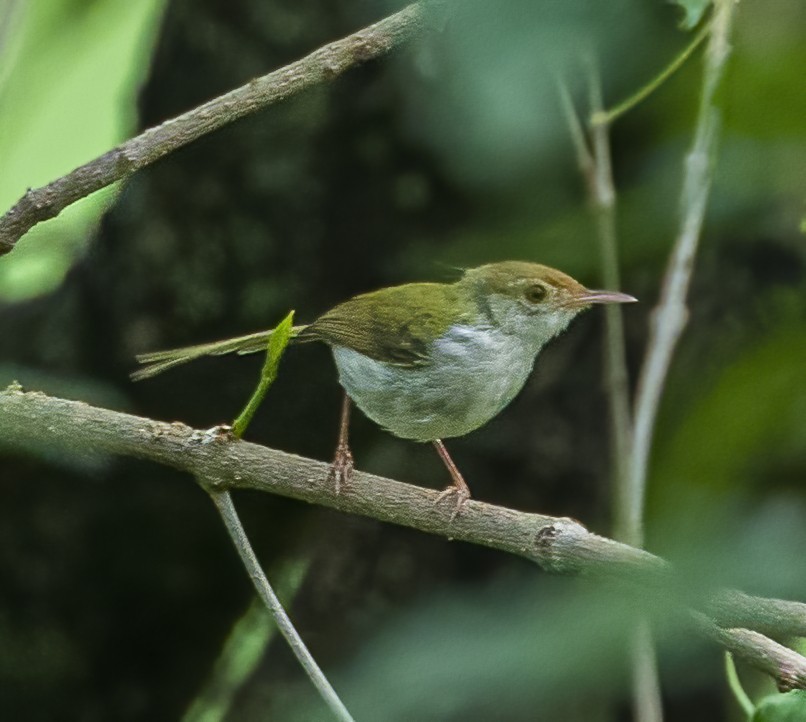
(529, 300)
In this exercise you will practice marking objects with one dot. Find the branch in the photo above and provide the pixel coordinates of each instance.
(232, 522)
(647, 697)
(594, 162)
(34, 421)
(243, 649)
(781, 663)
(324, 64)
(669, 318)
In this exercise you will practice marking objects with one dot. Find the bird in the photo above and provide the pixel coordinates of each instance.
(429, 361)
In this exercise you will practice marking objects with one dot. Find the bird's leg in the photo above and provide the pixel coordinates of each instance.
(341, 470)
(459, 486)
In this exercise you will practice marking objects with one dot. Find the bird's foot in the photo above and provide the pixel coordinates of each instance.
(462, 494)
(341, 468)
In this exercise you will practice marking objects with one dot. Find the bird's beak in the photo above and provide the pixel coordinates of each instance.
(587, 297)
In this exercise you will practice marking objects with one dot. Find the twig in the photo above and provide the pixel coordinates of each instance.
(603, 195)
(324, 64)
(646, 690)
(781, 663)
(34, 421)
(242, 650)
(600, 116)
(669, 318)
(594, 160)
(735, 685)
(232, 522)
(774, 617)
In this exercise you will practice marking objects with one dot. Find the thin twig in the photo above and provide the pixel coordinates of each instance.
(603, 117)
(669, 318)
(594, 161)
(646, 690)
(735, 685)
(603, 197)
(324, 64)
(243, 649)
(232, 522)
(34, 421)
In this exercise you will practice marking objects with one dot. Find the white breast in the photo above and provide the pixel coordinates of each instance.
(474, 373)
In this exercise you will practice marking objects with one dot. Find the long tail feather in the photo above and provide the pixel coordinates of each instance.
(158, 361)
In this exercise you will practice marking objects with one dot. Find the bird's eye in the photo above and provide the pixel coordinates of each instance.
(536, 293)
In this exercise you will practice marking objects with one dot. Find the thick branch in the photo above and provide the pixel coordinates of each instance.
(34, 420)
(324, 64)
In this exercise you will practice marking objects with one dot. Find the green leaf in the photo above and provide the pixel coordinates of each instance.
(693, 10)
(277, 343)
(70, 73)
(788, 707)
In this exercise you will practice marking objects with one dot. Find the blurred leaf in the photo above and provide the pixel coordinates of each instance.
(789, 707)
(67, 94)
(751, 408)
(544, 649)
(244, 648)
(483, 96)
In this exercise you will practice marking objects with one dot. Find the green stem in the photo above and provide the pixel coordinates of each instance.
(603, 117)
(274, 352)
(735, 685)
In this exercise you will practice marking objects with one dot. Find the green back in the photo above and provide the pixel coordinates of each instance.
(395, 325)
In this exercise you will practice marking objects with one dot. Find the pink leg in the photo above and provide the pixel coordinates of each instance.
(459, 486)
(341, 470)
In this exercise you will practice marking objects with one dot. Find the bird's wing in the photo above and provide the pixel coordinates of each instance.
(395, 325)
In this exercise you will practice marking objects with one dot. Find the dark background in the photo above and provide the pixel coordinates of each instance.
(118, 584)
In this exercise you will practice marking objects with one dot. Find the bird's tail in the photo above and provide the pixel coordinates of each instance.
(158, 361)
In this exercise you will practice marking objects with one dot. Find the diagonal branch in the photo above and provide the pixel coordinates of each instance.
(232, 522)
(34, 420)
(322, 65)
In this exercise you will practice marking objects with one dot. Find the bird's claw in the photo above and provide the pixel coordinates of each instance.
(462, 495)
(341, 468)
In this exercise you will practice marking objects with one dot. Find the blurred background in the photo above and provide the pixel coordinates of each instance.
(118, 584)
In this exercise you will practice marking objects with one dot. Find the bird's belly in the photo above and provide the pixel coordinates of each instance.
(471, 377)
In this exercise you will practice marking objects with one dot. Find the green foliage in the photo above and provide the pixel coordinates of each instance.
(70, 72)
(464, 128)
(758, 403)
(244, 648)
(789, 707)
(277, 344)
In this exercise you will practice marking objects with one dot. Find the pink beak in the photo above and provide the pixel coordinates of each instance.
(588, 297)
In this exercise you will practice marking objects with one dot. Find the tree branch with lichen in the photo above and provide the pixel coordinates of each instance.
(738, 622)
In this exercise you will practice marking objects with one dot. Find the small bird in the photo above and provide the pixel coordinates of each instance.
(429, 361)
